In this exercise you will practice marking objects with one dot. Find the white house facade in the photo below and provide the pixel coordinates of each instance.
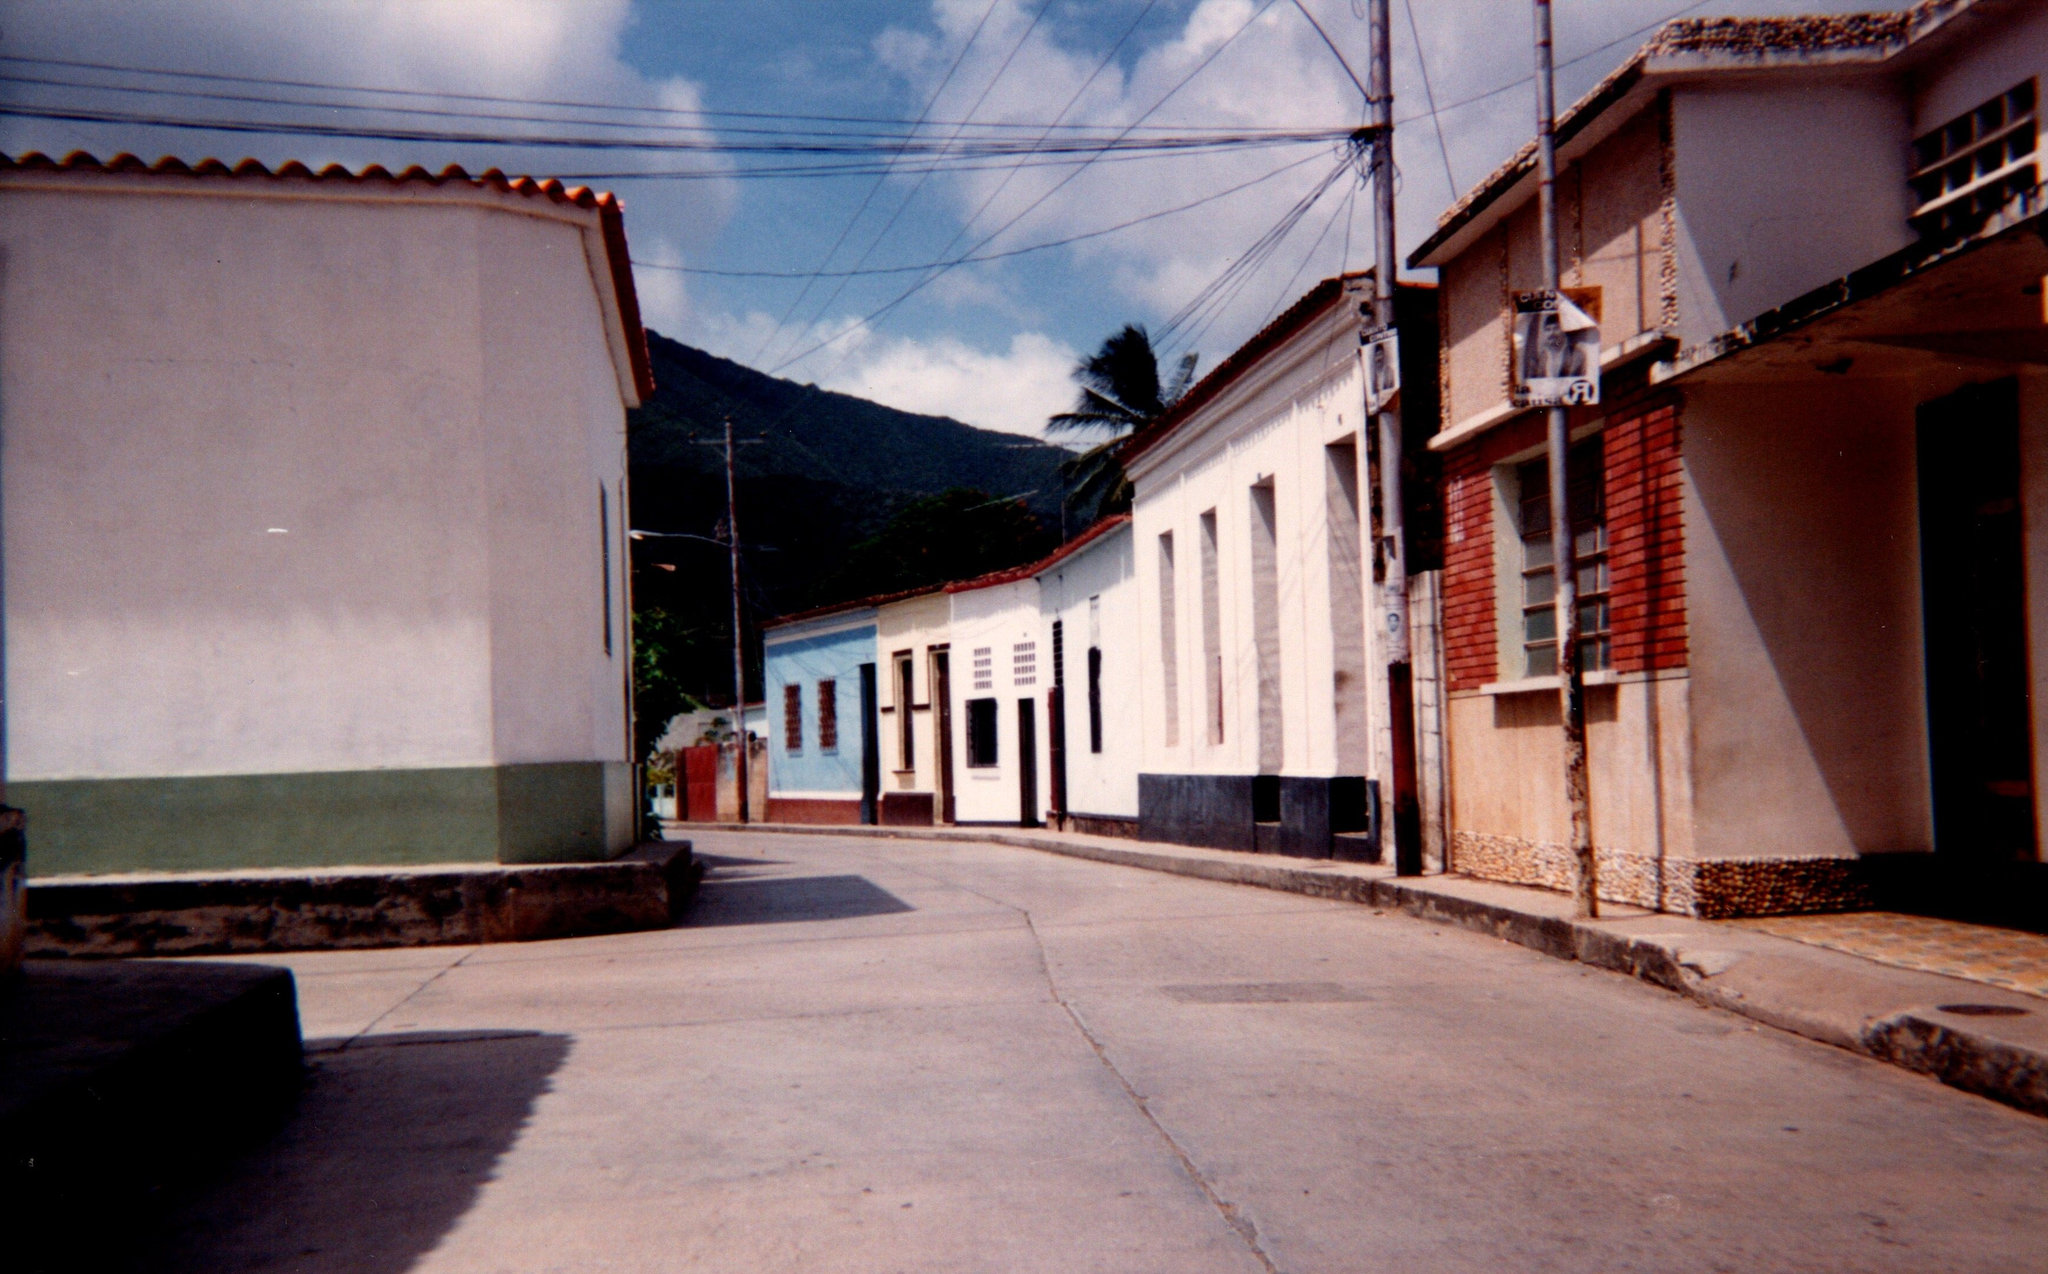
(315, 505)
(1088, 603)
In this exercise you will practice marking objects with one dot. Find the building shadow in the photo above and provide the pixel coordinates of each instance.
(790, 899)
(393, 1139)
(711, 861)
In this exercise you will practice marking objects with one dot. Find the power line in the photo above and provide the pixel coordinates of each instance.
(1334, 50)
(985, 256)
(1429, 95)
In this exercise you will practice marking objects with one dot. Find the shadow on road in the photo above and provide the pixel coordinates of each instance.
(786, 899)
(392, 1141)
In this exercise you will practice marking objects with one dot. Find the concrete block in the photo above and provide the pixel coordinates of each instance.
(193, 914)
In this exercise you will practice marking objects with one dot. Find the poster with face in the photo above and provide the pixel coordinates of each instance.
(1557, 352)
(1382, 350)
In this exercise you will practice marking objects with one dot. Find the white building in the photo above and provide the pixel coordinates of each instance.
(314, 492)
(1263, 703)
(1088, 605)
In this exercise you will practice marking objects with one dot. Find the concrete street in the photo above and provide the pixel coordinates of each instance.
(871, 1055)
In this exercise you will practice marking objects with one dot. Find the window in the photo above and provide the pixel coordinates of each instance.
(981, 733)
(906, 738)
(984, 668)
(604, 549)
(1024, 664)
(793, 718)
(1212, 629)
(828, 716)
(1095, 698)
(1059, 652)
(1169, 655)
(1975, 164)
(1539, 579)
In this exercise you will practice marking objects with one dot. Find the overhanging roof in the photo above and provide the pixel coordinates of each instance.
(1935, 304)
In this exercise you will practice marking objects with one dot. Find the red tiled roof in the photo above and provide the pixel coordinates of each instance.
(1015, 573)
(858, 603)
(611, 216)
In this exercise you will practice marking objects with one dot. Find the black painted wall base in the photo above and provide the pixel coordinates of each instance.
(1222, 811)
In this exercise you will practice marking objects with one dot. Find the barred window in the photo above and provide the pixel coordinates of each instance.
(1024, 664)
(1539, 577)
(984, 668)
(981, 733)
(793, 718)
(828, 716)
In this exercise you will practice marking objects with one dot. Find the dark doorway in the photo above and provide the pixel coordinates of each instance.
(1056, 738)
(870, 748)
(1027, 763)
(942, 730)
(1980, 727)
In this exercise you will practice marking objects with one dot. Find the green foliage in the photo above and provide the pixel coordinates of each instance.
(1120, 394)
(662, 641)
(956, 534)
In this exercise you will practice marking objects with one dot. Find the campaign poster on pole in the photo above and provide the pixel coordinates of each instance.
(1557, 349)
(1381, 348)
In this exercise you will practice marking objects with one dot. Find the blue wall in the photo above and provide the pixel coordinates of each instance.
(804, 661)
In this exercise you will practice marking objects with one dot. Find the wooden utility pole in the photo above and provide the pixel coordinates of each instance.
(739, 633)
(1563, 558)
(1392, 611)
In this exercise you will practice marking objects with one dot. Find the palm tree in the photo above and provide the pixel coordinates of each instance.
(1120, 394)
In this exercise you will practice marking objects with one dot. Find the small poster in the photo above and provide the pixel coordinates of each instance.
(1382, 350)
(1557, 352)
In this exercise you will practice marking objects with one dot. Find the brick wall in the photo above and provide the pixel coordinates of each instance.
(1645, 534)
(1646, 540)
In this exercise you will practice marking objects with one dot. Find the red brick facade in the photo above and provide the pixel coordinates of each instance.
(1645, 541)
(1645, 536)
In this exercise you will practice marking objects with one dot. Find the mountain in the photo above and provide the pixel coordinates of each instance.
(817, 492)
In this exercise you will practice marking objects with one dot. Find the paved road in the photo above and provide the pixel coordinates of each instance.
(881, 1056)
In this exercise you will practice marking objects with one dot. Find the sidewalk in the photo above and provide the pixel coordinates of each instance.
(1976, 1036)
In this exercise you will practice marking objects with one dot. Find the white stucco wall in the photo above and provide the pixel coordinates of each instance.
(1102, 573)
(1272, 425)
(2009, 44)
(999, 617)
(1782, 186)
(302, 483)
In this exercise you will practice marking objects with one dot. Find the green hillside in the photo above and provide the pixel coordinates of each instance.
(830, 497)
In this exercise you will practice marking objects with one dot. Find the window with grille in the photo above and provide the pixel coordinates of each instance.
(1539, 576)
(793, 718)
(1095, 698)
(1024, 664)
(906, 733)
(828, 716)
(1975, 164)
(984, 668)
(981, 733)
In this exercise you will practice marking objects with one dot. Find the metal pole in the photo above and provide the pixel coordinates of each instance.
(1393, 607)
(739, 633)
(1564, 566)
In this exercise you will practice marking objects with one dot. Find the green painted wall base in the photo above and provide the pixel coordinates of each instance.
(570, 811)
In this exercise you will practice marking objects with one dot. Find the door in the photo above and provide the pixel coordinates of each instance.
(1980, 728)
(1027, 763)
(942, 732)
(870, 748)
(1056, 749)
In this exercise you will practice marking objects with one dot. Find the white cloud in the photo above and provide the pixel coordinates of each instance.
(1013, 391)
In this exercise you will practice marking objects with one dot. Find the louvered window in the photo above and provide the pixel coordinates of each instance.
(1972, 166)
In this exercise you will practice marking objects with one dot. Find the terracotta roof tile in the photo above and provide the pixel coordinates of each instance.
(611, 215)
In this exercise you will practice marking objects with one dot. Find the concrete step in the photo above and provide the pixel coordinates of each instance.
(191, 913)
(120, 1077)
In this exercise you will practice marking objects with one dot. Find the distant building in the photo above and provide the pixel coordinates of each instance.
(981, 708)
(1264, 695)
(315, 504)
(1812, 561)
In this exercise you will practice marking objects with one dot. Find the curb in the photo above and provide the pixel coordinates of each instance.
(1951, 1048)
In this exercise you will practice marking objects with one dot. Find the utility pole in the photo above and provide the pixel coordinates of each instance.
(1392, 546)
(739, 634)
(1563, 558)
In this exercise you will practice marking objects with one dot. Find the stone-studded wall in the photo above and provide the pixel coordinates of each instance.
(1712, 888)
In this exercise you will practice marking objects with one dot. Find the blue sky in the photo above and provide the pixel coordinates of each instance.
(990, 343)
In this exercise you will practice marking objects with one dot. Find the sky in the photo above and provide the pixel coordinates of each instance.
(990, 342)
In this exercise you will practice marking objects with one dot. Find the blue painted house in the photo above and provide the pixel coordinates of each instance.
(823, 756)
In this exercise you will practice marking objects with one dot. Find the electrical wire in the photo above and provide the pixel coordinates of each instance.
(1429, 95)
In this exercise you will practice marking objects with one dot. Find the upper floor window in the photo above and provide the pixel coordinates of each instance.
(1539, 573)
(1975, 164)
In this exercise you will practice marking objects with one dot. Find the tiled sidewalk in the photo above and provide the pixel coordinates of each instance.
(1997, 957)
